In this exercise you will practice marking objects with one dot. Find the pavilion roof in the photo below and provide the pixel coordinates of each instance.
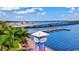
(40, 34)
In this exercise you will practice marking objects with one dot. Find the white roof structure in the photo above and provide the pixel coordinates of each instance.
(40, 34)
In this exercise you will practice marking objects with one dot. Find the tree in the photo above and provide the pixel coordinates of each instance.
(11, 37)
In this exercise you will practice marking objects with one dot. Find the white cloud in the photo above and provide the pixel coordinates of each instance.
(25, 12)
(2, 13)
(76, 14)
(41, 9)
(71, 11)
(19, 12)
(62, 15)
(73, 8)
(77, 8)
(42, 13)
(73, 16)
(31, 10)
(9, 8)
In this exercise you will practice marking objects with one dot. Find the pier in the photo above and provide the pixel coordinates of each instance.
(55, 29)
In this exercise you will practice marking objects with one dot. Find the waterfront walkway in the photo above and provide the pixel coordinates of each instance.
(31, 46)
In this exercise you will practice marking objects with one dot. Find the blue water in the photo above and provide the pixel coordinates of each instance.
(62, 40)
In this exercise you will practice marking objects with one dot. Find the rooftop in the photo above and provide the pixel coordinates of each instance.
(40, 34)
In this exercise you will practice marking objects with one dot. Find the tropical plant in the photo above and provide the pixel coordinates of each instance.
(11, 37)
(21, 35)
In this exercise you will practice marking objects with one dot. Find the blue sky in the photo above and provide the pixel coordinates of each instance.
(39, 13)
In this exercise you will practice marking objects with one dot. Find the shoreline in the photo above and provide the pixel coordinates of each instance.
(58, 23)
(40, 25)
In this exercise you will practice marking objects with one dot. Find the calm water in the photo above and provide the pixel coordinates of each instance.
(62, 40)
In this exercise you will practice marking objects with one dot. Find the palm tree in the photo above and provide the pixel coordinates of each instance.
(11, 37)
(16, 36)
(10, 31)
(21, 35)
(2, 35)
(6, 37)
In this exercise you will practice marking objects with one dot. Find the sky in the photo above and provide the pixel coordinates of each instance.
(39, 13)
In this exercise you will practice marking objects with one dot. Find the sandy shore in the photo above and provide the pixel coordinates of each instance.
(31, 44)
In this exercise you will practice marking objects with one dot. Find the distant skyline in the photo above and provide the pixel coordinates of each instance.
(39, 13)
